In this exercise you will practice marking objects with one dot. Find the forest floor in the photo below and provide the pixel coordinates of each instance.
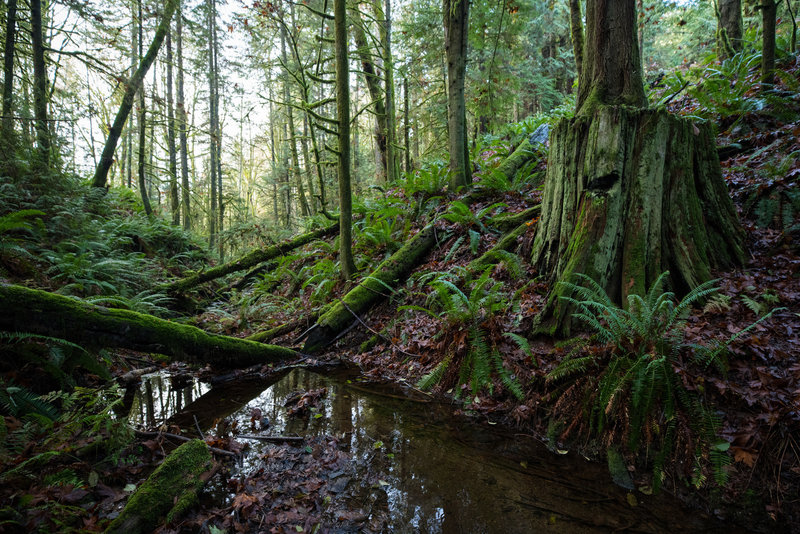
(757, 399)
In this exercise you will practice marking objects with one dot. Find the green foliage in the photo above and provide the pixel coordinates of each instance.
(469, 316)
(59, 358)
(430, 180)
(639, 384)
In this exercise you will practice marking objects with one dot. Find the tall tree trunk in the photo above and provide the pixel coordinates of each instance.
(343, 116)
(218, 135)
(142, 130)
(8, 75)
(212, 126)
(384, 16)
(576, 30)
(629, 193)
(373, 81)
(292, 137)
(40, 84)
(456, 33)
(171, 148)
(406, 127)
(612, 71)
(187, 217)
(769, 11)
(730, 28)
(132, 87)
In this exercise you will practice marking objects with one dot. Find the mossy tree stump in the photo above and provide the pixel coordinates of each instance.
(630, 193)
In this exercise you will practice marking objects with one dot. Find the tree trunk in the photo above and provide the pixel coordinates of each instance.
(132, 87)
(769, 11)
(142, 128)
(628, 195)
(384, 16)
(212, 126)
(181, 103)
(8, 75)
(576, 29)
(343, 116)
(251, 259)
(173, 156)
(612, 71)
(40, 83)
(372, 79)
(93, 326)
(370, 291)
(456, 24)
(168, 493)
(406, 127)
(730, 28)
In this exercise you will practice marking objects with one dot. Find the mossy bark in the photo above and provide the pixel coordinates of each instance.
(168, 493)
(89, 325)
(250, 259)
(628, 195)
(370, 291)
(506, 243)
(524, 153)
(514, 220)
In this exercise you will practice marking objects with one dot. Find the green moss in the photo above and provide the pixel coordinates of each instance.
(170, 491)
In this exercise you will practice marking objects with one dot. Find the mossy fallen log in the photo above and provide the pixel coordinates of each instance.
(168, 493)
(510, 221)
(250, 259)
(370, 291)
(494, 254)
(40, 312)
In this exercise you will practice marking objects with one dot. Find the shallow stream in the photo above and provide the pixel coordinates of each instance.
(440, 473)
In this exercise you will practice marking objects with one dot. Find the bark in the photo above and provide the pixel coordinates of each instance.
(212, 125)
(730, 28)
(769, 11)
(181, 104)
(406, 127)
(343, 116)
(142, 130)
(384, 16)
(524, 153)
(305, 209)
(93, 326)
(630, 194)
(173, 156)
(168, 493)
(456, 24)
(40, 83)
(370, 291)
(612, 71)
(372, 79)
(131, 88)
(8, 70)
(251, 259)
(576, 29)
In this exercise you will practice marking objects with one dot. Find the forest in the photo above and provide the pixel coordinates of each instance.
(400, 266)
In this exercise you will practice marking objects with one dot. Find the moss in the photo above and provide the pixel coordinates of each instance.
(169, 492)
(54, 315)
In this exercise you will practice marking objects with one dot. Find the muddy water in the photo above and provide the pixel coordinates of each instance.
(440, 473)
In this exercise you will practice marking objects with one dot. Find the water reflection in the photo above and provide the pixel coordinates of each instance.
(426, 470)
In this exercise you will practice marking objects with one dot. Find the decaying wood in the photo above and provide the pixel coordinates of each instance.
(250, 259)
(630, 194)
(168, 493)
(95, 326)
(370, 291)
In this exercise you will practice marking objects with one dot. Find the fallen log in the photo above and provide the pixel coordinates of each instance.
(268, 335)
(168, 493)
(250, 259)
(493, 255)
(529, 149)
(40, 312)
(509, 221)
(370, 291)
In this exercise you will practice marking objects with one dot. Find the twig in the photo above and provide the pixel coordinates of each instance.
(676, 93)
(389, 341)
(275, 439)
(143, 434)
(197, 426)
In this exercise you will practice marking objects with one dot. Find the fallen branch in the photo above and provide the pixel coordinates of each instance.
(273, 439)
(370, 291)
(169, 492)
(250, 259)
(94, 326)
(143, 434)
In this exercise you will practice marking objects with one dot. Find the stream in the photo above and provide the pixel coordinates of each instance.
(440, 472)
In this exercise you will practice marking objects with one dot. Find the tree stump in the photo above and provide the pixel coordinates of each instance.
(631, 193)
